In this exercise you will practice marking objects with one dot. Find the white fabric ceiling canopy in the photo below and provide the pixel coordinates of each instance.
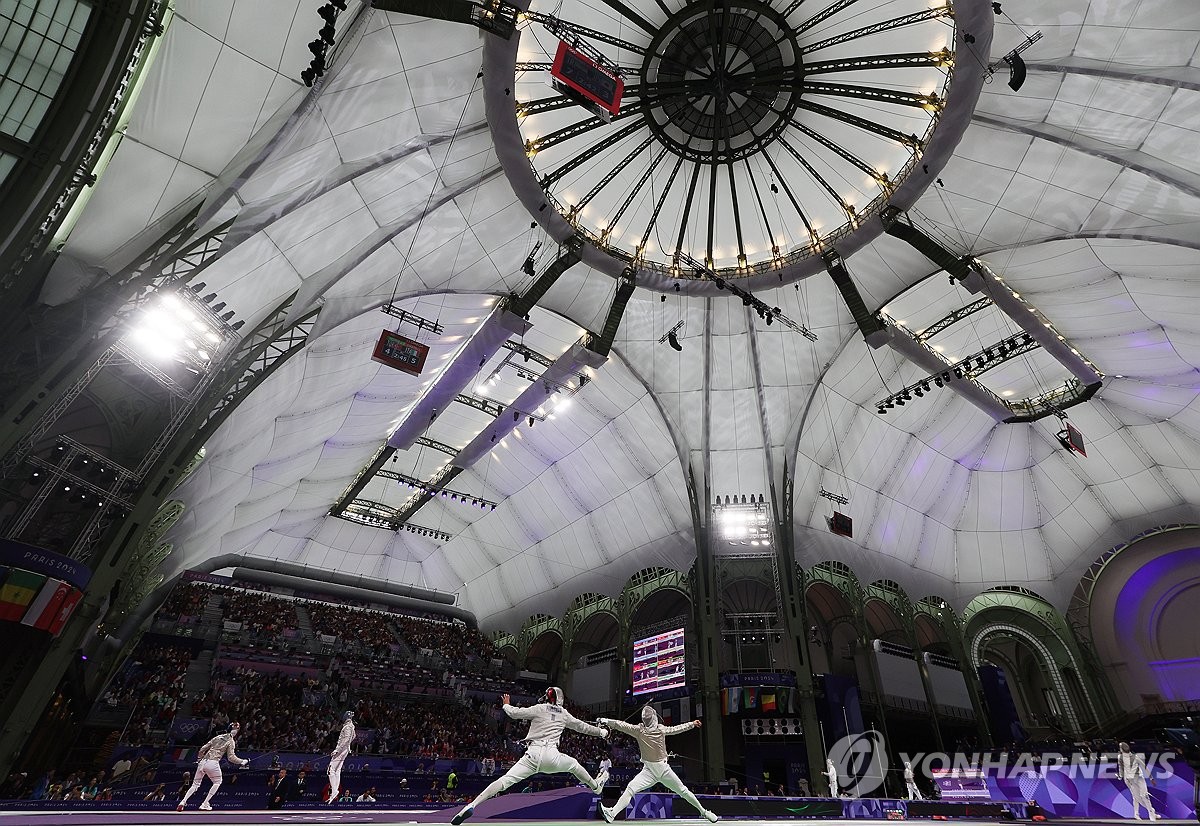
(1082, 190)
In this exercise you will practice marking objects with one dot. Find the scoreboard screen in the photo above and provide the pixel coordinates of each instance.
(400, 353)
(658, 662)
(580, 74)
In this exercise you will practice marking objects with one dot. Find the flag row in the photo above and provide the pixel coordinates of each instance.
(780, 699)
(36, 600)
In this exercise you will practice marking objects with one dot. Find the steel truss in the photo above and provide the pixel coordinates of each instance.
(953, 318)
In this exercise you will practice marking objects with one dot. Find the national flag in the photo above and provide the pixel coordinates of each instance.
(750, 698)
(44, 608)
(735, 696)
(18, 591)
(768, 702)
(65, 610)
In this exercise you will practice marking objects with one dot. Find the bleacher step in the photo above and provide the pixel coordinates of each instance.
(198, 680)
(304, 622)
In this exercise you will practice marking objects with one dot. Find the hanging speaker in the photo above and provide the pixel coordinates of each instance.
(1016, 77)
(841, 524)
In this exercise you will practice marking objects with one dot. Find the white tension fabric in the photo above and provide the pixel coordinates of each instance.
(1082, 191)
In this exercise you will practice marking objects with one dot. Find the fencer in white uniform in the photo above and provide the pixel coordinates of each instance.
(652, 742)
(832, 776)
(210, 766)
(338, 757)
(547, 720)
(1131, 767)
(910, 781)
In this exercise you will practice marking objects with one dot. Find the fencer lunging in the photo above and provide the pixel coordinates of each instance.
(911, 782)
(547, 720)
(1131, 767)
(340, 752)
(652, 742)
(210, 766)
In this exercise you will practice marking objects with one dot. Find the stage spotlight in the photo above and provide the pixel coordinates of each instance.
(317, 47)
(528, 267)
(1016, 77)
(673, 340)
(327, 34)
(328, 13)
(881, 411)
(918, 391)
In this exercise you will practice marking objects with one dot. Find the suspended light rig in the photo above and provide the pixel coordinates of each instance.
(414, 483)
(879, 329)
(405, 317)
(836, 498)
(324, 42)
(378, 515)
(966, 369)
(765, 312)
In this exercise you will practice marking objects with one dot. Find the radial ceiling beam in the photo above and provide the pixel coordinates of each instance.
(1164, 172)
(256, 215)
(565, 368)
(457, 376)
(1179, 77)
(888, 61)
(975, 276)
(868, 323)
(881, 95)
(925, 358)
(498, 18)
(628, 13)
(506, 319)
(882, 26)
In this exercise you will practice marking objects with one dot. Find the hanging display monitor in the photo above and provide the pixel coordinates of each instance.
(582, 79)
(401, 353)
(658, 662)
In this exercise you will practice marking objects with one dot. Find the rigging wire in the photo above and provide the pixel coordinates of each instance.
(438, 176)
